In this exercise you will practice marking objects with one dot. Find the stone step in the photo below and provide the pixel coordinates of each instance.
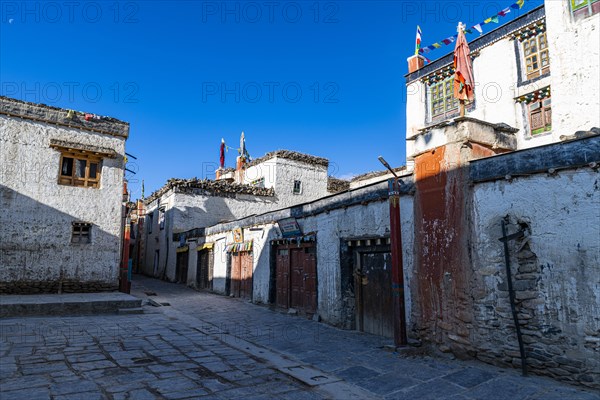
(66, 304)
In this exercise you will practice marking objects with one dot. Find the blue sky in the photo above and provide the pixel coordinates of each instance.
(324, 78)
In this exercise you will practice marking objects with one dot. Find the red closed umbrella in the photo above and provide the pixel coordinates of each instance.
(463, 70)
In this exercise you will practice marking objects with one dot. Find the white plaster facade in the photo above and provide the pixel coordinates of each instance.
(280, 174)
(37, 212)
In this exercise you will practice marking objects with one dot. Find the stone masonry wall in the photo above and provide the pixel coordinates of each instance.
(555, 269)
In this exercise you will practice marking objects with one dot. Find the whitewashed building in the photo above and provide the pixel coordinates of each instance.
(537, 74)
(61, 192)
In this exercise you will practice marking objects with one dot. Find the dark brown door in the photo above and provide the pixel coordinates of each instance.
(296, 284)
(241, 274)
(204, 270)
(374, 280)
(282, 271)
(182, 267)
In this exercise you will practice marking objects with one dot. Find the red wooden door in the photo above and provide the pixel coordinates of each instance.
(282, 283)
(304, 278)
(246, 266)
(241, 274)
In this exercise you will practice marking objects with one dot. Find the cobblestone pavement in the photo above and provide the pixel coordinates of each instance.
(208, 346)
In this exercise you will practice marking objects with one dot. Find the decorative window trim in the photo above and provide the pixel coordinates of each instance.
(79, 169)
(538, 103)
(536, 55)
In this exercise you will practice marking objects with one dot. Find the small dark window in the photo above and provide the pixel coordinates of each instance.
(161, 219)
(150, 222)
(81, 233)
(297, 187)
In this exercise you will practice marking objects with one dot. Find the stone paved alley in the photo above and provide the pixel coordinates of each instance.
(203, 345)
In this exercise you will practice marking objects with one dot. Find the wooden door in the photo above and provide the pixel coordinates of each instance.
(282, 283)
(310, 279)
(297, 278)
(236, 274)
(241, 274)
(374, 280)
(204, 270)
(246, 267)
(297, 283)
(182, 267)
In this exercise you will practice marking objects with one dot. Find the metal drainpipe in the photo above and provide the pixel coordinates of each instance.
(511, 292)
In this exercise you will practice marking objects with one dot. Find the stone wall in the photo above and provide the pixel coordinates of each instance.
(555, 269)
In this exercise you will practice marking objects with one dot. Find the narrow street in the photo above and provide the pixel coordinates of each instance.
(201, 345)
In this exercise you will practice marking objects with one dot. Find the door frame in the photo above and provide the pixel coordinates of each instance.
(350, 250)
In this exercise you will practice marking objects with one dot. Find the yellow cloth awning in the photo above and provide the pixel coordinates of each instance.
(183, 249)
(205, 246)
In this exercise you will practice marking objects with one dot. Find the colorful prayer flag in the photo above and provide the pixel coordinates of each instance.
(504, 12)
(418, 41)
(436, 45)
(478, 28)
(520, 3)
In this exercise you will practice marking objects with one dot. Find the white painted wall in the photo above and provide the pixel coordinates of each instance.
(574, 62)
(37, 212)
(186, 211)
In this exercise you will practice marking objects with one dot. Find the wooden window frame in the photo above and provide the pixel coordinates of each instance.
(534, 58)
(584, 9)
(544, 112)
(442, 103)
(73, 179)
(81, 233)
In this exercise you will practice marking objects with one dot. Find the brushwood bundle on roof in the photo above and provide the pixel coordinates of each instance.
(208, 187)
(336, 185)
(292, 155)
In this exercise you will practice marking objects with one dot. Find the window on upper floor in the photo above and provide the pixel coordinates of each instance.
(535, 52)
(540, 116)
(161, 219)
(297, 187)
(79, 169)
(538, 109)
(584, 8)
(441, 99)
